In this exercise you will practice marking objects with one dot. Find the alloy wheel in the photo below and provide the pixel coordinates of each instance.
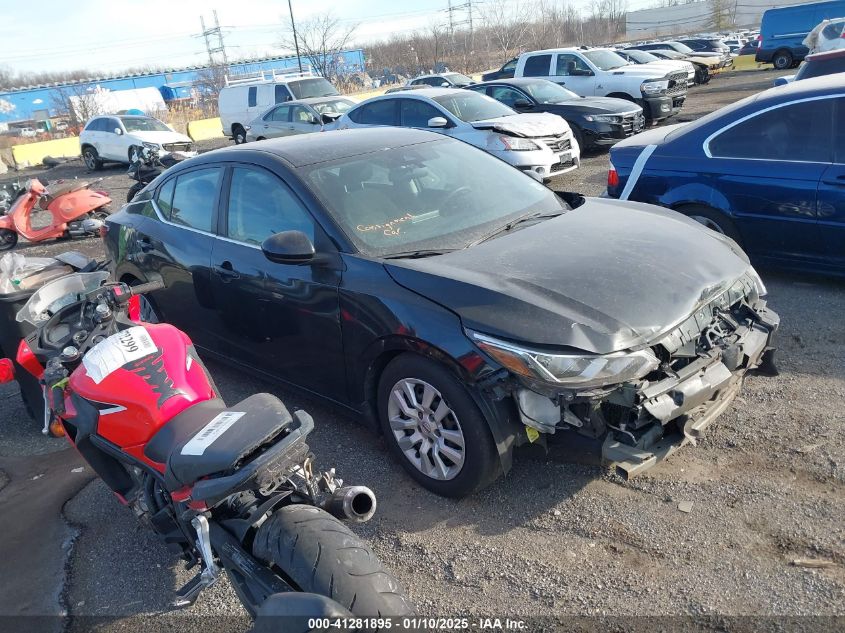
(426, 429)
(90, 161)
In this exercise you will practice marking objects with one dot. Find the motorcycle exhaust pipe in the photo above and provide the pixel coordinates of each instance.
(352, 503)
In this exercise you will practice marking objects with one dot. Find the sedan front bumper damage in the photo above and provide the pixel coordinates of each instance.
(705, 360)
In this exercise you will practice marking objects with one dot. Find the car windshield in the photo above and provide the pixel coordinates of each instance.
(438, 195)
(338, 106)
(143, 124)
(471, 106)
(606, 60)
(548, 92)
(317, 87)
(642, 57)
(458, 79)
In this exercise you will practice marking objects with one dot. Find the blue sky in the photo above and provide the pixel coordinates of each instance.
(111, 35)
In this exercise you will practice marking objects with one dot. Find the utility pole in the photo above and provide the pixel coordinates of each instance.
(295, 41)
(451, 20)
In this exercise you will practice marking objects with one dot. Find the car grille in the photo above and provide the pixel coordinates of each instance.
(632, 123)
(556, 143)
(177, 147)
(677, 84)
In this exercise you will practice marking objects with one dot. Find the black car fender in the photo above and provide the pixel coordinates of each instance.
(469, 366)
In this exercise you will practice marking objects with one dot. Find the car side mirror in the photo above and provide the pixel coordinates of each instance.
(523, 104)
(445, 84)
(288, 247)
(438, 121)
(118, 131)
(329, 117)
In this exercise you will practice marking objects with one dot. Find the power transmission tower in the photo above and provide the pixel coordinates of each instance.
(206, 35)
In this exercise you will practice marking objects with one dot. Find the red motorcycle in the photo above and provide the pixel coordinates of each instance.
(231, 488)
(75, 211)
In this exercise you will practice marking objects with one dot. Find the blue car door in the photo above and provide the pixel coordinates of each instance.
(768, 167)
(832, 194)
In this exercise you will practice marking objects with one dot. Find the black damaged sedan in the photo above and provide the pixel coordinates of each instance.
(454, 303)
(595, 121)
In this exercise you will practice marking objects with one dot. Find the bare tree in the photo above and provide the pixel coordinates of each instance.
(207, 86)
(76, 102)
(321, 39)
(506, 23)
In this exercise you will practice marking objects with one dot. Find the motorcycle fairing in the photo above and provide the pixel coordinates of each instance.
(151, 390)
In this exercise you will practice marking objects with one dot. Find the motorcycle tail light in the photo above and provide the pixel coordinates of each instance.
(7, 370)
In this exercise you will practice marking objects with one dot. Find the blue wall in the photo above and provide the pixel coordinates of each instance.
(27, 101)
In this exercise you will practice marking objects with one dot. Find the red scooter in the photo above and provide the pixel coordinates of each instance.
(75, 209)
(229, 488)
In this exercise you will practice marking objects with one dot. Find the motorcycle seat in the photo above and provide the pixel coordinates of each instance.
(212, 439)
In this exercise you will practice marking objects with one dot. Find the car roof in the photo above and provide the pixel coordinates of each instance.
(514, 81)
(318, 99)
(423, 92)
(308, 149)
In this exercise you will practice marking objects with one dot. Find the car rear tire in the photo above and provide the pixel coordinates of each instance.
(434, 428)
(238, 134)
(782, 60)
(713, 220)
(319, 554)
(92, 159)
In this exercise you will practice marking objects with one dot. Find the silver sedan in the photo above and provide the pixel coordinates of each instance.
(302, 116)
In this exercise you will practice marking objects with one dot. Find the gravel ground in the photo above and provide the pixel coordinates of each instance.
(766, 486)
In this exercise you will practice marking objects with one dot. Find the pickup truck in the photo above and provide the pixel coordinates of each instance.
(601, 72)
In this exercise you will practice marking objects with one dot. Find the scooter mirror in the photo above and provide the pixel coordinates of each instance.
(7, 370)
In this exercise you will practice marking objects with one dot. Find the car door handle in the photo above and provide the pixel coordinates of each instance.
(838, 181)
(226, 272)
(145, 244)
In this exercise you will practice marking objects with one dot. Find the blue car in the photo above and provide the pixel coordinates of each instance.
(767, 171)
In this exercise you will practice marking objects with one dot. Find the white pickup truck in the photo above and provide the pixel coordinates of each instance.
(601, 72)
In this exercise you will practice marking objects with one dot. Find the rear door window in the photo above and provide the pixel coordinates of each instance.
(164, 199)
(801, 132)
(537, 66)
(195, 198)
(376, 113)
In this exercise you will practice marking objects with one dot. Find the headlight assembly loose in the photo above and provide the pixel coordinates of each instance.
(654, 87)
(152, 146)
(571, 370)
(518, 144)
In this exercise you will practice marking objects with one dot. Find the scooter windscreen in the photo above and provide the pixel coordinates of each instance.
(57, 294)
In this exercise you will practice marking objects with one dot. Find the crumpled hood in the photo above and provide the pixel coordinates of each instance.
(604, 277)
(161, 137)
(527, 125)
(640, 70)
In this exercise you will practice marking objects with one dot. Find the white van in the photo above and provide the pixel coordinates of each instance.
(246, 96)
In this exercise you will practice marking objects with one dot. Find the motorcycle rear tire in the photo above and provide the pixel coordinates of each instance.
(319, 554)
(8, 239)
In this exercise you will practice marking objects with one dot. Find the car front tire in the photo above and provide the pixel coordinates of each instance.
(239, 135)
(434, 428)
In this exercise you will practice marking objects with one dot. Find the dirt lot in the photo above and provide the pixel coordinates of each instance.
(767, 487)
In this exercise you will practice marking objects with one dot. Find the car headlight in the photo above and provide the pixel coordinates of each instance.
(570, 370)
(603, 118)
(758, 282)
(517, 144)
(154, 146)
(654, 87)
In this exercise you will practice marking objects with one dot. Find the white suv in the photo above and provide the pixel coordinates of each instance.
(120, 137)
